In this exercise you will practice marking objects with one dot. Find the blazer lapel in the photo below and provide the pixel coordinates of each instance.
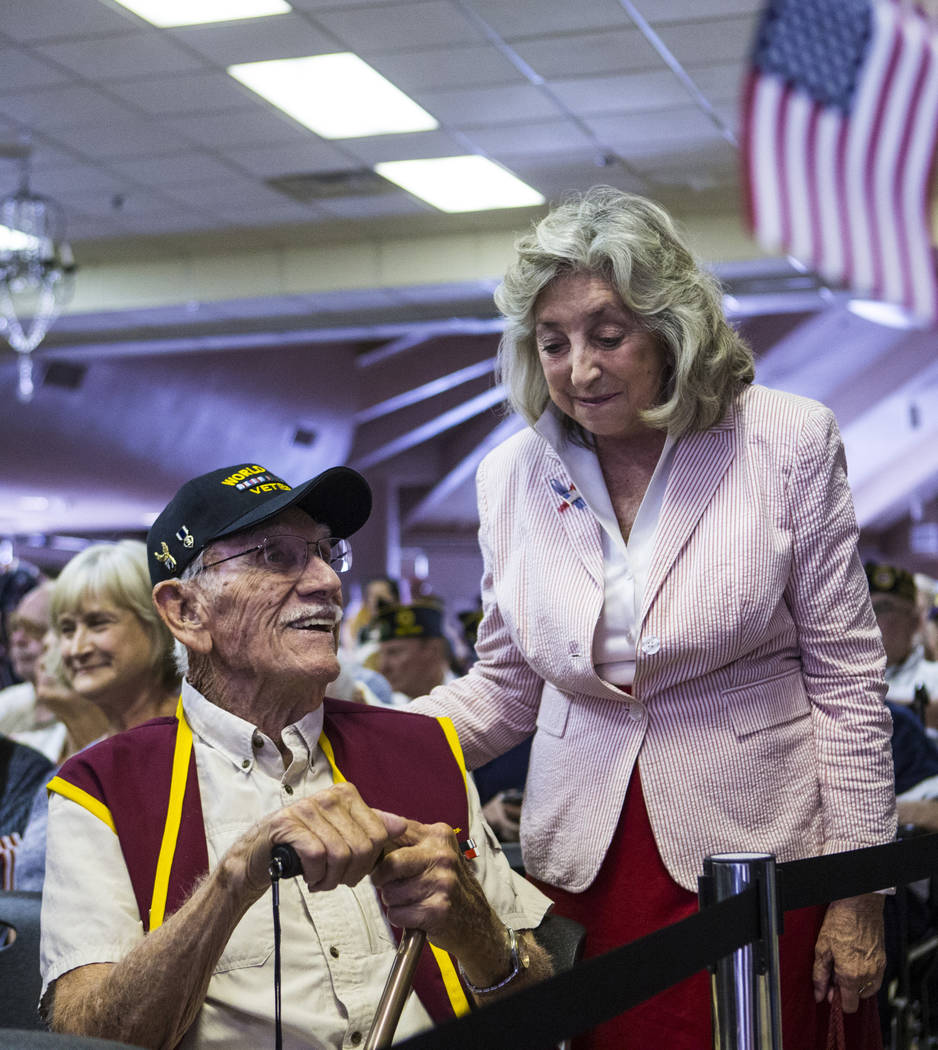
(700, 461)
(580, 529)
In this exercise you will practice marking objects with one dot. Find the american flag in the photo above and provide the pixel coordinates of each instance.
(840, 124)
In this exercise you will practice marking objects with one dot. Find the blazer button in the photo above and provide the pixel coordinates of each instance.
(651, 644)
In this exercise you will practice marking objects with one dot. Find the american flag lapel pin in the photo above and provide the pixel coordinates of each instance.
(570, 496)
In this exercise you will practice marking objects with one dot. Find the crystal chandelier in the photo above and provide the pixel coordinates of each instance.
(36, 272)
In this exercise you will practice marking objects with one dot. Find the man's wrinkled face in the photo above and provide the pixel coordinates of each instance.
(27, 626)
(268, 625)
(898, 621)
(413, 666)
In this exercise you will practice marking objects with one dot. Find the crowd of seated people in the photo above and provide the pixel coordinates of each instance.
(94, 658)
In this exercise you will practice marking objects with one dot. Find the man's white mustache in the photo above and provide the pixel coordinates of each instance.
(330, 615)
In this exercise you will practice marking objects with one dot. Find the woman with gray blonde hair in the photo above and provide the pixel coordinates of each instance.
(114, 647)
(675, 608)
(112, 650)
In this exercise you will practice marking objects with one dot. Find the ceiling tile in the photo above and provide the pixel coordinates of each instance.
(394, 203)
(127, 138)
(294, 159)
(496, 105)
(51, 156)
(128, 55)
(408, 25)
(323, 5)
(133, 204)
(267, 213)
(56, 107)
(37, 20)
(250, 126)
(70, 180)
(638, 92)
(540, 17)
(698, 10)
(256, 39)
(414, 71)
(582, 54)
(181, 94)
(177, 169)
(174, 221)
(637, 134)
(230, 188)
(719, 39)
(23, 70)
(420, 145)
(576, 172)
(512, 140)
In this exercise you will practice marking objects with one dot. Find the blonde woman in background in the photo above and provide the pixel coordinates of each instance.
(115, 653)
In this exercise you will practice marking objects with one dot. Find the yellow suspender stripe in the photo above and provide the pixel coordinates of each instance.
(452, 738)
(457, 997)
(177, 790)
(454, 990)
(329, 752)
(86, 801)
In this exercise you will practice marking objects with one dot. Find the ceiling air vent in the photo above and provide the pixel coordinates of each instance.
(65, 374)
(327, 185)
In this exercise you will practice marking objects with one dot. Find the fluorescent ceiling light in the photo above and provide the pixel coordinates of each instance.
(456, 184)
(338, 96)
(165, 13)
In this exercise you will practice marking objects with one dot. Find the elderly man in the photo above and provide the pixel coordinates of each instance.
(413, 652)
(893, 593)
(26, 627)
(156, 916)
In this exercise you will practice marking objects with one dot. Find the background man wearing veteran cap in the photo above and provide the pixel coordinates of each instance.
(893, 594)
(413, 653)
(157, 927)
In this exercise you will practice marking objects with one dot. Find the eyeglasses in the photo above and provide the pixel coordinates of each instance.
(289, 555)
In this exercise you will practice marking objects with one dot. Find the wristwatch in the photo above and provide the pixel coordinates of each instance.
(520, 961)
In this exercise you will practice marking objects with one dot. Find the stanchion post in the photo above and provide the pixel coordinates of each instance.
(746, 997)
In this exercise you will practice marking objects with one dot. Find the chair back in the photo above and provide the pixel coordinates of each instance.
(564, 940)
(20, 980)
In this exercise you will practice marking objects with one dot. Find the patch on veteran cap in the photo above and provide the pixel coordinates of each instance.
(890, 579)
(420, 620)
(232, 499)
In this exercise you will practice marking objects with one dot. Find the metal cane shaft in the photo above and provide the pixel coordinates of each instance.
(396, 990)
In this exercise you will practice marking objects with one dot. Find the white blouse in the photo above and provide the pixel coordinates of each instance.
(626, 565)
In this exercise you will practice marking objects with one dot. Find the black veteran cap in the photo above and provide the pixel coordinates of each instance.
(420, 620)
(889, 579)
(228, 500)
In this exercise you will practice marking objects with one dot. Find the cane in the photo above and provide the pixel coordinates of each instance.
(286, 864)
(396, 990)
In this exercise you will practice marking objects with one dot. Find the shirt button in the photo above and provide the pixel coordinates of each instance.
(288, 788)
(333, 951)
(246, 764)
(257, 741)
(635, 712)
(651, 644)
(355, 1038)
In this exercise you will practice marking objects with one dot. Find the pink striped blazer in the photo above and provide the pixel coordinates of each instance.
(757, 711)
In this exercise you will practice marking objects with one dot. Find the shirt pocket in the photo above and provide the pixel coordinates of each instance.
(252, 942)
(771, 702)
(553, 711)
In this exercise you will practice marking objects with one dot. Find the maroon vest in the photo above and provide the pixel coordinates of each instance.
(400, 762)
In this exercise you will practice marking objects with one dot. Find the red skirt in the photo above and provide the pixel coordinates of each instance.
(633, 895)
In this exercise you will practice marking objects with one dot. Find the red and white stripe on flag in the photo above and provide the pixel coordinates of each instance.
(847, 192)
